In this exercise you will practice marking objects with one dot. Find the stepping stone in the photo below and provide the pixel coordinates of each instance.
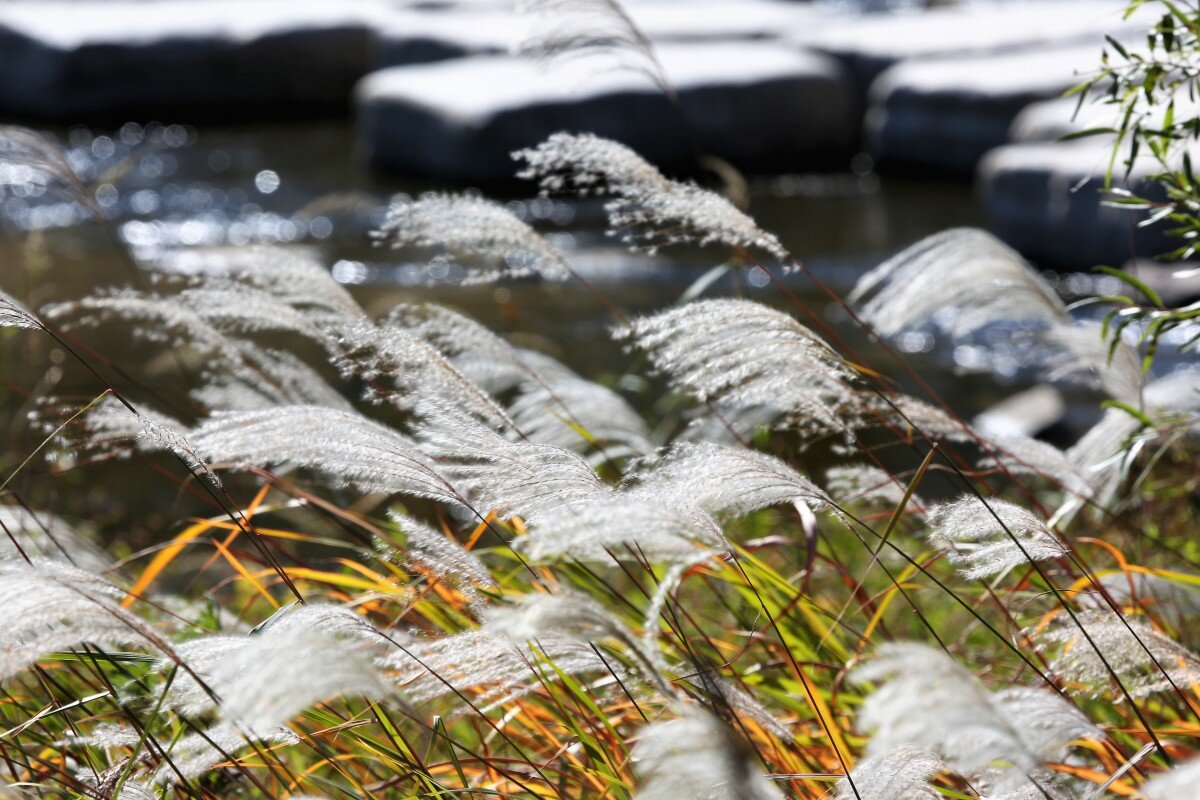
(181, 60)
(1026, 413)
(942, 115)
(760, 105)
(871, 44)
(419, 37)
(1045, 199)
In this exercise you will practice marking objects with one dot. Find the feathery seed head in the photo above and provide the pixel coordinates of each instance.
(263, 679)
(51, 606)
(866, 484)
(1145, 659)
(15, 315)
(441, 555)
(647, 209)
(513, 478)
(343, 446)
(1178, 784)
(623, 525)
(724, 480)
(43, 536)
(964, 279)
(737, 354)
(901, 773)
(988, 540)
(473, 228)
(929, 701)
(696, 756)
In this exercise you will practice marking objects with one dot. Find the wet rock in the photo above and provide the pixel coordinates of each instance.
(181, 59)
(1048, 120)
(1027, 413)
(759, 105)
(419, 37)
(1177, 284)
(1046, 200)
(944, 114)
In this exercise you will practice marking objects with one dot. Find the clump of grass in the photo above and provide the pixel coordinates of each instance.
(503, 581)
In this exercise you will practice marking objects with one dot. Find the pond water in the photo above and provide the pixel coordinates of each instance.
(167, 189)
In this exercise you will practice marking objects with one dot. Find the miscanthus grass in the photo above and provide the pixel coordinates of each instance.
(401, 555)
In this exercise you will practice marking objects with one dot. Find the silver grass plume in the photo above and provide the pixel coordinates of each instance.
(197, 753)
(735, 354)
(1178, 784)
(566, 29)
(113, 428)
(512, 478)
(345, 447)
(105, 735)
(156, 319)
(553, 405)
(473, 229)
(405, 371)
(558, 407)
(105, 784)
(901, 773)
(697, 756)
(43, 536)
(481, 355)
(289, 381)
(963, 279)
(158, 435)
(725, 480)
(439, 554)
(1086, 358)
(729, 693)
(279, 673)
(1101, 453)
(263, 679)
(862, 483)
(1130, 645)
(15, 315)
(338, 621)
(988, 540)
(1024, 455)
(489, 667)
(916, 417)
(624, 526)
(730, 426)
(630, 525)
(167, 320)
(293, 277)
(1173, 603)
(1106, 451)
(199, 316)
(578, 617)
(1042, 784)
(647, 209)
(1175, 393)
(928, 701)
(242, 310)
(1046, 722)
(51, 607)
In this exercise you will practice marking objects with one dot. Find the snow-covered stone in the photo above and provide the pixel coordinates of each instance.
(871, 44)
(1047, 200)
(123, 59)
(1026, 413)
(418, 37)
(944, 114)
(760, 105)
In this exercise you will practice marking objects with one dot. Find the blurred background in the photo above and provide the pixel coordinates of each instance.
(850, 129)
